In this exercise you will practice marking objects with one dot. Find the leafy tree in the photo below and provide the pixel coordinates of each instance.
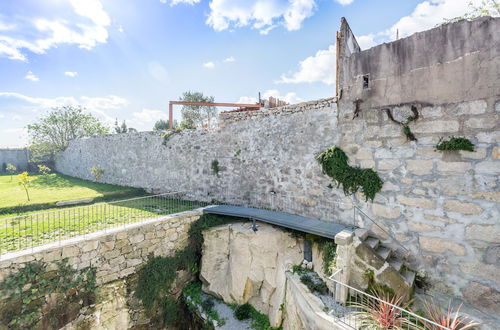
(25, 182)
(52, 132)
(163, 125)
(120, 128)
(11, 169)
(198, 115)
(486, 8)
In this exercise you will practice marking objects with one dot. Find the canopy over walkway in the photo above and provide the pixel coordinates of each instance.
(286, 220)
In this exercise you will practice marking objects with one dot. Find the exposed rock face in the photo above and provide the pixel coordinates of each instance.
(241, 266)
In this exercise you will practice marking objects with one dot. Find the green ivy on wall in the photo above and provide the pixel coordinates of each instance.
(24, 295)
(455, 143)
(334, 163)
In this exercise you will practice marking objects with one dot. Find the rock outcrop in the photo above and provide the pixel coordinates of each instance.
(240, 265)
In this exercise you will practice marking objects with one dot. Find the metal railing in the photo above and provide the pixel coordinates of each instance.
(31, 230)
(353, 308)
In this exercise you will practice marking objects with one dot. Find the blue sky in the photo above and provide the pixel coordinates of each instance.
(126, 59)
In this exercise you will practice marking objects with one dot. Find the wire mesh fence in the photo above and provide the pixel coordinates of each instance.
(30, 230)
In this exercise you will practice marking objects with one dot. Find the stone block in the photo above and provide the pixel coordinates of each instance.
(136, 238)
(368, 256)
(419, 167)
(344, 237)
(493, 196)
(482, 296)
(454, 167)
(438, 218)
(495, 154)
(488, 137)
(488, 167)
(386, 211)
(428, 152)
(483, 270)
(481, 123)
(420, 227)
(470, 108)
(70, 251)
(487, 233)
(436, 126)
(478, 153)
(453, 205)
(440, 245)
(388, 164)
(417, 202)
(430, 112)
(364, 154)
(89, 246)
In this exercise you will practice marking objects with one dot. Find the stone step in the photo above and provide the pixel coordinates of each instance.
(372, 242)
(409, 277)
(361, 233)
(396, 264)
(383, 252)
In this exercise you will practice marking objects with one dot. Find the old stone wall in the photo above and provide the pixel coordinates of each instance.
(16, 156)
(441, 206)
(116, 254)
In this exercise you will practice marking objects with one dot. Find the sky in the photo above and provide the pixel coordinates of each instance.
(125, 59)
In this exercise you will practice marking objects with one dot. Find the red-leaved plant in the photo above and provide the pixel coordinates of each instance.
(379, 313)
(449, 319)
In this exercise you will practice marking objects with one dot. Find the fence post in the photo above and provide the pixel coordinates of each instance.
(344, 241)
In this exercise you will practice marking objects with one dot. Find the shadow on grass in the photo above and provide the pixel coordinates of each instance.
(52, 181)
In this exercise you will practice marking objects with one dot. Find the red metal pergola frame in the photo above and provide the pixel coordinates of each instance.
(204, 104)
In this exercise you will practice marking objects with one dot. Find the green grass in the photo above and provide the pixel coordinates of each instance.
(46, 190)
(36, 228)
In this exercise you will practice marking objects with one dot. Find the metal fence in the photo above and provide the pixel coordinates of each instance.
(356, 309)
(30, 230)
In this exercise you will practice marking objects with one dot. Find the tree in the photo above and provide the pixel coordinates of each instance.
(163, 125)
(11, 169)
(198, 115)
(120, 128)
(25, 181)
(52, 132)
(486, 8)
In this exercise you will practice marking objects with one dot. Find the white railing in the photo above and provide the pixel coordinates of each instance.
(349, 299)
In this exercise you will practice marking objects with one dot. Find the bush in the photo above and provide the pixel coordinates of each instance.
(243, 312)
(455, 143)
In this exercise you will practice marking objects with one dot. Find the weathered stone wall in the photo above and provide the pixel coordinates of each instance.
(116, 254)
(443, 207)
(15, 156)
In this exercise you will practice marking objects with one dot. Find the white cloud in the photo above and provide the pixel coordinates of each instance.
(209, 65)
(291, 97)
(31, 76)
(345, 2)
(230, 59)
(149, 116)
(319, 67)
(260, 14)
(96, 105)
(176, 2)
(427, 14)
(71, 74)
(84, 23)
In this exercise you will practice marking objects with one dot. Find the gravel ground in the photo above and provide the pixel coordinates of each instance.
(226, 313)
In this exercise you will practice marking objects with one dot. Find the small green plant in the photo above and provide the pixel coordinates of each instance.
(243, 312)
(11, 169)
(237, 153)
(45, 170)
(329, 251)
(215, 167)
(455, 143)
(314, 283)
(97, 172)
(406, 124)
(25, 182)
(449, 318)
(334, 163)
(166, 136)
(380, 313)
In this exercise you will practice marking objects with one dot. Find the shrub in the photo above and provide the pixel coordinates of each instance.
(449, 319)
(45, 170)
(243, 312)
(455, 143)
(379, 314)
(97, 172)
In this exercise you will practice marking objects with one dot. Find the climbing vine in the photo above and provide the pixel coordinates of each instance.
(158, 274)
(334, 163)
(406, 124)
(455, 143)
(44, 296)
(215, 167)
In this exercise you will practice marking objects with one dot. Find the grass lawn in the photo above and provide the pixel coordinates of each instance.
(46, 190)
(34, 229)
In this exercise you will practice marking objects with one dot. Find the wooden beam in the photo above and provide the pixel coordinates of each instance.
(207, 104)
